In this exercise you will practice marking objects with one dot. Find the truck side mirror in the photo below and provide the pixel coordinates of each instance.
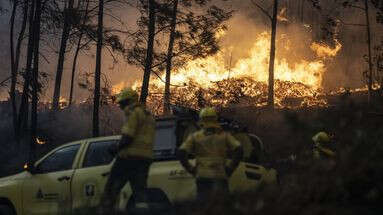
(30, 168)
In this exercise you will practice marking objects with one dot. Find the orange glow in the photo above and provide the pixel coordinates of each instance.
(118, 87)
(282, 15)
(220, 33)
(40, 141)
(62, 100)
(324, 51)
(208, 81)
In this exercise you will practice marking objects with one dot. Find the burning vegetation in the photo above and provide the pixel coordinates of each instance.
(210, 81)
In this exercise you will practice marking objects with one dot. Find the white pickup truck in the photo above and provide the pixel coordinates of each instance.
(72, 176)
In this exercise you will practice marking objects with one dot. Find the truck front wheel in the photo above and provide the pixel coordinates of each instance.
(6, 210)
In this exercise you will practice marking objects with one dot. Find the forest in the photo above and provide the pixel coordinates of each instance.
(281, 69)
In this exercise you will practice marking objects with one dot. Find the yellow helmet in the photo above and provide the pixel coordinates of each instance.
(208, 117)
(321, 137)
(127, 94)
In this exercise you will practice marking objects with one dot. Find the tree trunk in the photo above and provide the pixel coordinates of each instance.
(169, 59)
(35, 80)
(149, 52)
(97, 74)
(13, 69)
(369, 54)
(76, 56)
(21, 36)
(298, 9)
(61, 59)
(302, 11)
(12, 23)
(272, 55)
(16, 67)
(23, 111)
(74, 70)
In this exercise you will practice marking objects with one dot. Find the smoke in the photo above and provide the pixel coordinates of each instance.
(293, 41)
(351, 62)
(113, 67)
(343, 70)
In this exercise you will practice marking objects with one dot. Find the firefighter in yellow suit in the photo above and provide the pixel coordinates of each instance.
(134, 153)
(210, 145)
(320, 150)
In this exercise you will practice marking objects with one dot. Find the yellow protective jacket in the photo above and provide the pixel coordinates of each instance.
(139, 125)
(210, 150)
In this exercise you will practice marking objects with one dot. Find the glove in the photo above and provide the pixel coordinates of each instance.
(229, 171)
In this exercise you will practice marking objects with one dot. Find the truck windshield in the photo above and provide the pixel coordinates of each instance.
(98, 153)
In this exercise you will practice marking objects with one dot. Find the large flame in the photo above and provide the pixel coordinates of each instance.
(208, 81)
(212, 69)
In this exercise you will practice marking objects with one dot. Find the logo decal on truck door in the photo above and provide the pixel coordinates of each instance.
(89, 190)
(39, 194)
(46, 196)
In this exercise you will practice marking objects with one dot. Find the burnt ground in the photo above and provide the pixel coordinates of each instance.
(354, 185)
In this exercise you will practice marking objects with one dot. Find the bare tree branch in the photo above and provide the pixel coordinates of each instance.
(357, 7)
(2, 83)
(352, 24)
(118, 31)
(45, 58)
(162, 80)
(115, 18)
(111, 54)
(85, 44)
(262, 9)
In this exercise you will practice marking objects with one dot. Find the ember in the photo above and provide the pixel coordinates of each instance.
(40, 141)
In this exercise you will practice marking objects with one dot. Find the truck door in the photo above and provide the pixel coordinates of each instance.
(173, 179)
(90, 179)
(48, 190)
(167, 173)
